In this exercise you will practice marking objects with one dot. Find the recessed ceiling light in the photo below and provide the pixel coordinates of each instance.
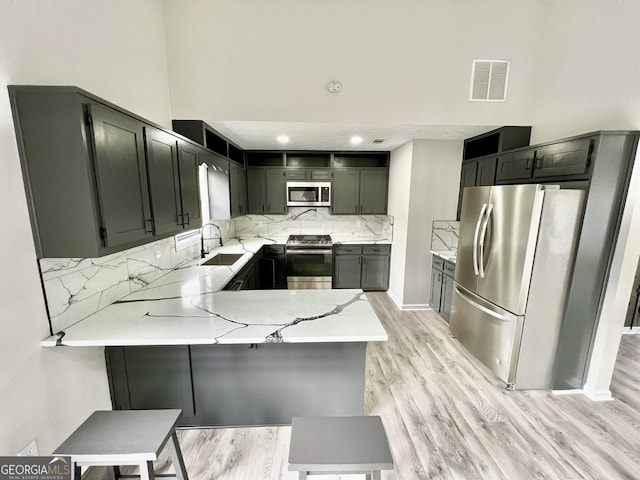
(356, 140)
(283, 139)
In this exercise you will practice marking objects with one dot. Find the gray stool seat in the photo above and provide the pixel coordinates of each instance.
(125, 437)
(339, 445)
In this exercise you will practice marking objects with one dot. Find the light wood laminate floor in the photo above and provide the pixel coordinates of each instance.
(447, 417)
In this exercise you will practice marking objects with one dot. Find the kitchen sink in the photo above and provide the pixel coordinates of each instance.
(223, 259)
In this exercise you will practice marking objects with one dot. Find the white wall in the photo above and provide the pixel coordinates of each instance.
(398, 208)
(117, 52)
(435, 180)
(424, 177)
(399, 61)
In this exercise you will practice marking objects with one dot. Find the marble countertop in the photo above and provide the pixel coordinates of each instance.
(186, 307)
(449, 255)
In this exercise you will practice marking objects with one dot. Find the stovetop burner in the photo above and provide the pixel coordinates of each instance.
(310, 240)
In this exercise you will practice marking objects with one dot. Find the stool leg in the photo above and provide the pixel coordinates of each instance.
(146, 471)
(176, 457)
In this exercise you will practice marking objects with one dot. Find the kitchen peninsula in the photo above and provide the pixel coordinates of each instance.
(232, 358)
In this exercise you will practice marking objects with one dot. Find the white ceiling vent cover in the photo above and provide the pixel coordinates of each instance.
(489, 80)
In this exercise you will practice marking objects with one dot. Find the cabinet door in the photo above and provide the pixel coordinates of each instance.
(345, 192)
(447, 296)
(375, 272)
(467, 179)
(189, 164)
(276, 197)
(150, 377)
(256, 190)
(373, 191)
(319, 174)
(295, 174)
(121, 176)
(515, 166)
(486, 173)
(242, 191)
(347, 271)
(164, 180)
(234, 190)
(563, 159)
(436, 289)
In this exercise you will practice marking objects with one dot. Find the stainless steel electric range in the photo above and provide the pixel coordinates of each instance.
(309, 261)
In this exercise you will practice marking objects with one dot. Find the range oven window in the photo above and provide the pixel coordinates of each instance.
(307, 264)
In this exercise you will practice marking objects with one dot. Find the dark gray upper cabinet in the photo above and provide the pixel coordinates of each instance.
(359, 191)
(266, 190)
(345, 192)
(373, 191)
(164, 180)
(92, 187)
(486, 173)
(304, 174)
(188, 163)
(515, 166)
(121, 176)
(237, 189)
(563, 159)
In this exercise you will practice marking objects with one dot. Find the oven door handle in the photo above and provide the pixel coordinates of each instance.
(309, 252)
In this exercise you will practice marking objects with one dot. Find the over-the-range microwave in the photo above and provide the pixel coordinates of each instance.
(309, 194)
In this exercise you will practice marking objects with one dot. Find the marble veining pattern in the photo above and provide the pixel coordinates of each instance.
(444, 235)
(303, 220)
(244, 317)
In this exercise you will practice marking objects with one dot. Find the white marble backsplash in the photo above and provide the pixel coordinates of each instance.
(78, 287)
(304, 220)
(444, 235)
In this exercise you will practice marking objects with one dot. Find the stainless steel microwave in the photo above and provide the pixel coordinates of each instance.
(309, 194)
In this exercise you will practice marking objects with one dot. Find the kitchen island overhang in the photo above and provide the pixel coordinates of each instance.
(235, 358)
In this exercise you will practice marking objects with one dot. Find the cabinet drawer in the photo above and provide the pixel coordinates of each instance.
(295, 174)
(437, 263)
(566, 158)
(347, 249)
(377, 250)
(273, 249)
(449, 268)
(319, 174)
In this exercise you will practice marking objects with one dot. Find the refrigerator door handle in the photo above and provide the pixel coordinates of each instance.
(475, 238)
(483, 237)
(489, 311)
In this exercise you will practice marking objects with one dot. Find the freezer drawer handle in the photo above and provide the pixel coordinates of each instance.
(463, 296)
(475, 238)
(483, 237)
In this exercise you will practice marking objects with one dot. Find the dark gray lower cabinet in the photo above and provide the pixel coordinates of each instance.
(442, 272)
(151, 377)
(237, 385)
(361, 266)
(272, 268)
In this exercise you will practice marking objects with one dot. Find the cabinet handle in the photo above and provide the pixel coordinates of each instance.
(187, 214)
(529, 163)
(181, 220)
(268, 208)
(539, 162)
(149, 227)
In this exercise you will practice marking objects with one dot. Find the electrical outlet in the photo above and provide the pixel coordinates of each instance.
(31, 450)
(157, 251)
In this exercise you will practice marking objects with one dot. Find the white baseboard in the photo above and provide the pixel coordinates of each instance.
(632, 330)
(407, 306)
(599, 396)
(416, 306)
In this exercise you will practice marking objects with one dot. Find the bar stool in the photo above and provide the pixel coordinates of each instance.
(125, 437)
(339, 445)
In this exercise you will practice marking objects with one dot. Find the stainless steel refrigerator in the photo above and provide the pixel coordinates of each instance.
(515, 253)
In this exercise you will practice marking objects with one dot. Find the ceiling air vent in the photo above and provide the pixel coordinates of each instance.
(377, 140)
(489, 80)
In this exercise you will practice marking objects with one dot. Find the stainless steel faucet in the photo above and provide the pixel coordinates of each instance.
(202, 251)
